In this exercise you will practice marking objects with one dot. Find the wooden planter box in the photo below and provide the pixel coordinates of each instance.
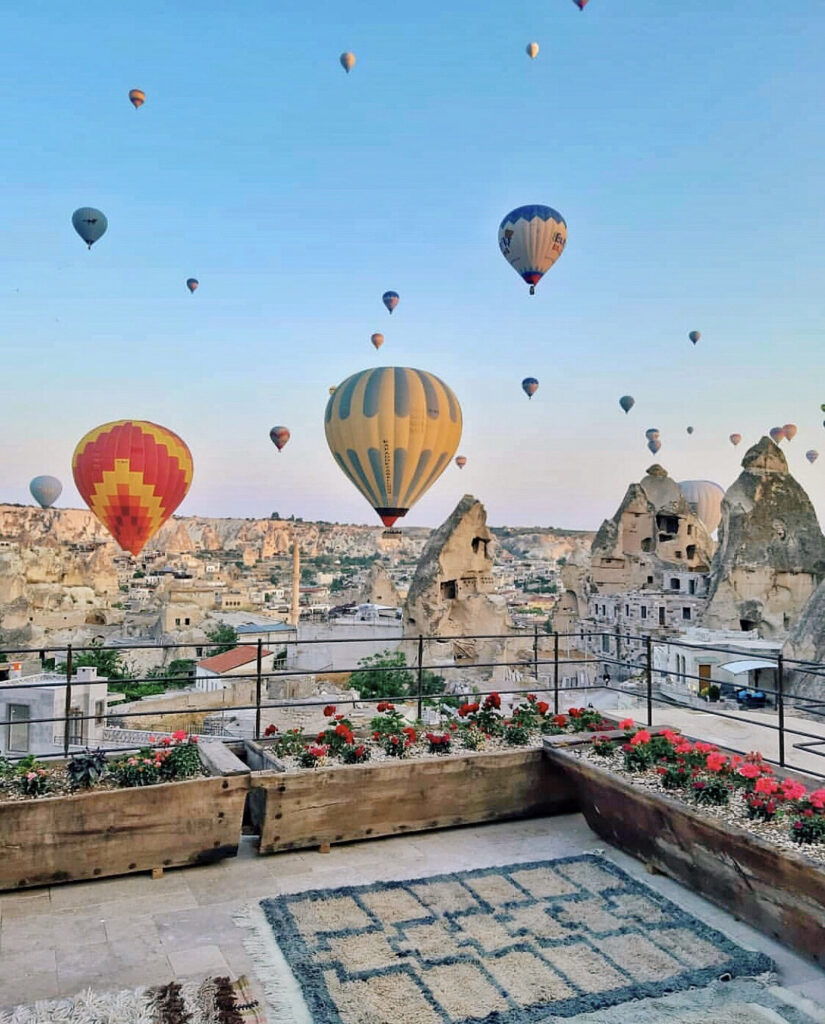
(101, 833)
(780, 892)
(332, 805)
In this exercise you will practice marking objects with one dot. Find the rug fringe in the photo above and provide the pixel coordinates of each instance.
(281, 988)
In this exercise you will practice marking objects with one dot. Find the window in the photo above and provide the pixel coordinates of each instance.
(76, 727)
(686, 614)
(690, 529)
(100, 711)
(627, 611)
(186, 622)
(644, 611)
(675, 583)
(177, 622)
(650, 579)
(661, 616)
(606, 644)
(691, 586)
(668, 526)
(18, 727)
(198, 652)
(448, 590)
(691, 551)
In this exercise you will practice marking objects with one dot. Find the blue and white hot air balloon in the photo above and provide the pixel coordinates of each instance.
(531, 239)
(45, 490)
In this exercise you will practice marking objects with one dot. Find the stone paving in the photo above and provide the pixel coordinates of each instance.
(124, 932)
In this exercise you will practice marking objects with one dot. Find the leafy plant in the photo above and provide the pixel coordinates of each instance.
(141, 769)
(353, 754)
(438, 742)
(472, 737)
(713, 792)
(675, 776)
(810, 828)
(290, 743)
(382, 675)
(34, 781)
(86, 768)
(602, 746)
(516, 735)
(310, 757)
(181, 759)
(714, 693)
(224, 637)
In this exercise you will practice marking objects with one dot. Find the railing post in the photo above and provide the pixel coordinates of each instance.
(556, 673)
(649, 679)
(536, 655)
(67, 707)
(780, 705)
(420, 677)
(258, 690)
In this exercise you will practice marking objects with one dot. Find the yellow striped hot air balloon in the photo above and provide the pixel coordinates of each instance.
(393, 431)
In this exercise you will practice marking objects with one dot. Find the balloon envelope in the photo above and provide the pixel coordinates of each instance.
(812, 455)
(192, 284)
(347, 61)
(133, 475)
(695, 336)
(735, 439)
(690, 430)
(706, 498)
(532, 50)
(90, 224)
(390, 300)
(279, 436)
(627, 402)
(137, 97)
(529, 386)
(393, 431)
(652, 434)
(377, 340)
(531, 239)
(581, 4)
(790, 431)
(654, 444)
(45, 490)
(777, 433)
(461, 461)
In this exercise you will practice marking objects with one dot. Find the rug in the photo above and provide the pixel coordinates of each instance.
(504, 945)
(212, 1001)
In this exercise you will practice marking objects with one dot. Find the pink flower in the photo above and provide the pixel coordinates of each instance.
(627, 723)
(716, 762)
(642, 736)
(817, 799)
(704, 748)
(765, 785)
(750, 771)
(793, 790)
(179, 735)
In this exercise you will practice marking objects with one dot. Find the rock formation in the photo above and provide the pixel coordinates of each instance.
(771, 553)
(379, 588)
(806, 642)
(451, 592)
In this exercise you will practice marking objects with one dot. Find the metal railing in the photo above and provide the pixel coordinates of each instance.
(631, 656)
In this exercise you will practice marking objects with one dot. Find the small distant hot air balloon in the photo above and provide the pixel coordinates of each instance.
(695, 336)
(706, 499)
(347, 61)
(627, 402)
(90, 224)
(790, 431)
(377, 340)
(652, 434)
(529, 386)
(581, 4)
(133, 475)
(192, 284)
(279, 436)
(390, 300)
(532, 50)
(393, 431)
(332, 390)
(735, 439)
(690, 430)
(137, 97)
(654, 445)
(777, 434)
(822, 407)
(531, 239)
(812, 455)
(45, 490)
(461, 461)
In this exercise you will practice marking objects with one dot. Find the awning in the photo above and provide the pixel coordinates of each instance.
(737, 668)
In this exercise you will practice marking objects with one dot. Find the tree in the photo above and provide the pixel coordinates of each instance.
(107, 660)
(224, 636)
(383, 675)
(176, 674)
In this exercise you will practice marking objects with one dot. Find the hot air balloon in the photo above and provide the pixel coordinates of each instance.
(90, 224)
(137, 97)
(529, 386)
(706, 499)
(377, 340)
(390, 300)
(695, 336)
(777, 434)
(192, 284)
(822, 407)
(461, 461)
(531, 239)
(393, 431)
(690, 430)
(332, 390)
(581, 4)
(45, 490)
(735, 439)
(627, 402)
(133, 475)
(532, 50)
(790, 431)
(347, 61)
(654, 445)
(812, 455)
(279, 436)
(652, 434)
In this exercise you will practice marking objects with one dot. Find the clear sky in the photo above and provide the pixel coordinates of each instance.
(684, 142)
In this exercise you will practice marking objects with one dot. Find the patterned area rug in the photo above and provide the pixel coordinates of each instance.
(213, 1001)
(510, 945)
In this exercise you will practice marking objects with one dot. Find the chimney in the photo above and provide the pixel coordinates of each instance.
(296, 579)
(86, 674)
(15, 670)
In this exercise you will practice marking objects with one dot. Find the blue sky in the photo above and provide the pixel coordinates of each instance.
(683, 142)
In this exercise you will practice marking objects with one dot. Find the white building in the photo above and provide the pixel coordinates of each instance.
(221, 670)
(730, 659)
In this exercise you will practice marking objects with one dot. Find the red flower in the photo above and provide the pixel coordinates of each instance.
(704, 748)
(410, 733)
(270, 730)
(318, 751)
(574, 712)
(360, 751)
(684, 748)
(793, 790)
(345, 732)
(560, 720)
(642, 736)
(319, 738)
(716, 762)
(627, 723)
(329, 711)
(339, 718)
(765, 785)
(542, 707)
(179, 735)
(750, 771)
(394, 740)
(453, 726)
(376, 735)
(492, 700)
(151, 739)
(531, 697)
(817, 799)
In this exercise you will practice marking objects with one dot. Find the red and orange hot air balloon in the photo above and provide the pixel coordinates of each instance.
(133, 475)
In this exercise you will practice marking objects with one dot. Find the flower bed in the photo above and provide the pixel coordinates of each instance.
(722, 824)
(168, 805)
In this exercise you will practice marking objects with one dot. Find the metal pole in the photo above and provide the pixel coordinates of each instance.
(258, 690)
(780, 705)
(555, 673)
(68, 703)
(536, 655)
(420, 677)
(649, 675)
